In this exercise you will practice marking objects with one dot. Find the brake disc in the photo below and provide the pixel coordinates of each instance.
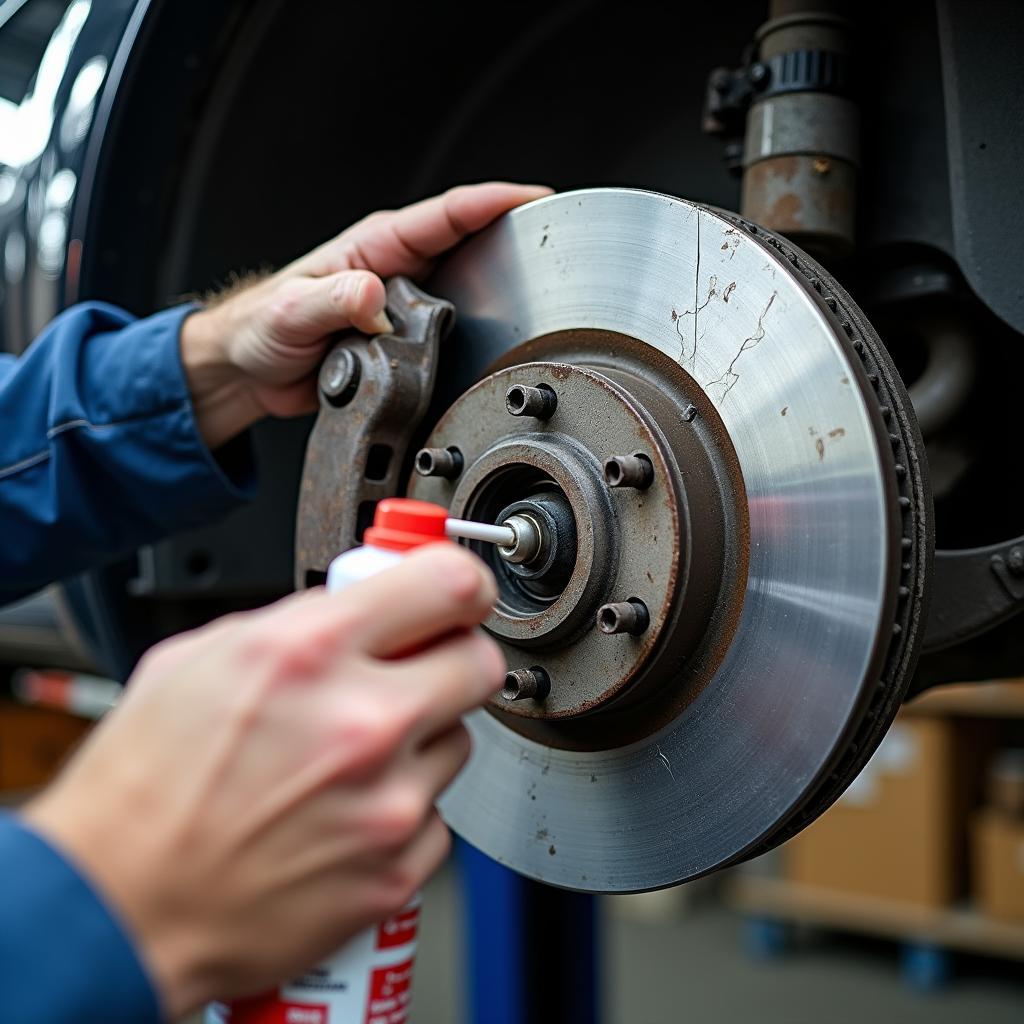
(776, 535)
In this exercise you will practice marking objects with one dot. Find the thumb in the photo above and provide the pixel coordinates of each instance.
(312, 307)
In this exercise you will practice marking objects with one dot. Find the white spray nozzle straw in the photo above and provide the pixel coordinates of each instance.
(504, 536)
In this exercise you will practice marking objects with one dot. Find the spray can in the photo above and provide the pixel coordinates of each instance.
(369, 981)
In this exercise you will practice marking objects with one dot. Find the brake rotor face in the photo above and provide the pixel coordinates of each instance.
(680, 783)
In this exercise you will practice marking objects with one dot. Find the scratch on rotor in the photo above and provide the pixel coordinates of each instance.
(730, 377)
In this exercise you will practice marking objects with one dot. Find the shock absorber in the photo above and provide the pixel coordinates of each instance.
(793, 106)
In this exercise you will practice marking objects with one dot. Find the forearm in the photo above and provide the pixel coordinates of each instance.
(104, 453)
(63, 954)
(226, 399)
(223, 400)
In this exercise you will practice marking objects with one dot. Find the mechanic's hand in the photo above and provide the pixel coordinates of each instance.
(266, 788)
(255, 352)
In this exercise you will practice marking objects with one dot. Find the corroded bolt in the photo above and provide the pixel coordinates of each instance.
(539, 402)
(339, 376)
(624, 617)
(758, 74)
(443, 462)
(1015, 560)
(635, 470)
(521, 683)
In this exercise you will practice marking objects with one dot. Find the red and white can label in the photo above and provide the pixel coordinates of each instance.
(390, 992)
(399, 930)
(368, 982)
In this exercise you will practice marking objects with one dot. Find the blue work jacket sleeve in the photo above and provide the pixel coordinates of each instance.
(99, 448)
(63, 955)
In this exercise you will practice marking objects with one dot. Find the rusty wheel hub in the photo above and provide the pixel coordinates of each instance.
(597, 473)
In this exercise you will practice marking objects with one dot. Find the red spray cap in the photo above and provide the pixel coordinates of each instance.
(400, 524)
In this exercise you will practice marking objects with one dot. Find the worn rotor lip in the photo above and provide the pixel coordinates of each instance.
(722, 777)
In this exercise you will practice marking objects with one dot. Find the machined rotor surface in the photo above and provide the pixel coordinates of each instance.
(726, 772)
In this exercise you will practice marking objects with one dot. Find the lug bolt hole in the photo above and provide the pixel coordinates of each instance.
(526, 683)
(539, 402)
(634, 470)
(443, 462)
(624, 617)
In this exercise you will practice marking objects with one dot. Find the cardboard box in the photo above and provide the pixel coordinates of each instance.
(34, 743)
(899, 831)
(997, 864)
(1006, 782)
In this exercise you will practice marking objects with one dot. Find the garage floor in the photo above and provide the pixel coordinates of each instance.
(695, 971)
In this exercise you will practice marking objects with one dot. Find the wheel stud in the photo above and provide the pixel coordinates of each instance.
(443, 462)
(629, 471)
(522, 683)
(624, 617)
(539, 402)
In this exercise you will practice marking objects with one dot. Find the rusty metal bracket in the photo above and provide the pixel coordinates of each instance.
(373, 394)
(974, 622)
(973, 591)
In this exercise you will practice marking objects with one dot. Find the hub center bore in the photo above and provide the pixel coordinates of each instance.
(542, 570)
(551, 479)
